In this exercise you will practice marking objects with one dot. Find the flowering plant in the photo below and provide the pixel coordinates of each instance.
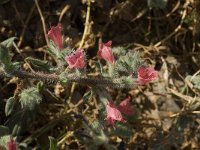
(126, 70)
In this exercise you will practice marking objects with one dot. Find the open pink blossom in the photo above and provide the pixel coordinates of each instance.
(125, 107)
(76, 59)
(113, 114)
(55, 35)
(12, 145)
(105, 52)
(146, 75)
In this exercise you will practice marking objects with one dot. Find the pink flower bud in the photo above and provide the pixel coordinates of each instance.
(125, 107)
(76, 59)
(113, 114)
(146, 75)
(12, 145)
(55, 35)
(105, 52)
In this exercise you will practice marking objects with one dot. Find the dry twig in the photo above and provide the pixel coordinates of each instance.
(43, 21)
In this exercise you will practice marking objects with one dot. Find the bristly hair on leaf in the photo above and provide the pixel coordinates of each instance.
(119, 51)
(127, 65)
(53, 51)
(30, 98)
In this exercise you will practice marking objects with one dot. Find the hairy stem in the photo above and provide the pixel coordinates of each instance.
(71, 78)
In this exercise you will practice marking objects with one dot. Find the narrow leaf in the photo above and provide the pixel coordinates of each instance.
(39, 64)
(53, 143)
(9, 42)
(9, 106)
(5, 59)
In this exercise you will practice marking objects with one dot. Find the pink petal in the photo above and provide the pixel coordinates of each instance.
(12, 145)
(76, 59)
(108, 44)
(105, 52)
(55, 35)
(125, 107)
(113, 114)
(146, 75)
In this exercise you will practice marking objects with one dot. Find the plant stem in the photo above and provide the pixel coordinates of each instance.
(54, 78)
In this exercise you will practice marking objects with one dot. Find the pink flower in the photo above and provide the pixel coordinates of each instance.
(105, 52)
(146, 75)
(55, 35)
(125, 107)
(12, 145)
(113, 114)
(76, 59)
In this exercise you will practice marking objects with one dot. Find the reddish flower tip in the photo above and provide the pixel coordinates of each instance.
(12, 145)
(105, 52)
(146, 75)
(113, 114)
(76, 59)
(125, 107)
(55, 35)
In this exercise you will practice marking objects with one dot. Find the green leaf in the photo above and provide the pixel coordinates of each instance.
(4, 130)
(19, 121)
(9, 42)
(10, 103)
(53, 143)
(5, 59)
(30, 98)
(3, 141)
(39, 64)
(52, 49)
(62, 54)
(127, 65)
(119, 51)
